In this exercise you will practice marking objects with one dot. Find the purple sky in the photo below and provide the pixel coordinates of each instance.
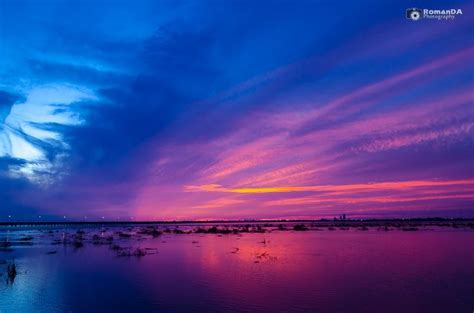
(234, 110)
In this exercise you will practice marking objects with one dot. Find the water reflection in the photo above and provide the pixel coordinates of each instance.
(314, 271)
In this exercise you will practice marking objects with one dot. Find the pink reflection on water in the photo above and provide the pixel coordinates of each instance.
(324, 271)
(327, 269)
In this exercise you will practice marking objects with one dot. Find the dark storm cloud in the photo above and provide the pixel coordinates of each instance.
(7, 100)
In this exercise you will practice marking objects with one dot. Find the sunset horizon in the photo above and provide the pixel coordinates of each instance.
(171, 118)
(236, 156)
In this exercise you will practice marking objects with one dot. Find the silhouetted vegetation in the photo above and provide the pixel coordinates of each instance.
(410, 229)
(300, 227)
(115, 237)
(5, 245)
(264, 256)
(78, 244)
(129, 252)
(152, 231)
(124, 235)
(11, 273)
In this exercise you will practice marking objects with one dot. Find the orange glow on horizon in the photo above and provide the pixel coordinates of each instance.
(351, 187)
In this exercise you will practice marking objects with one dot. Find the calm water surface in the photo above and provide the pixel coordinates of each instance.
(313, 271)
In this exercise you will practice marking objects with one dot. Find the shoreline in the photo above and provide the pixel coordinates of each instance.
(453, 222)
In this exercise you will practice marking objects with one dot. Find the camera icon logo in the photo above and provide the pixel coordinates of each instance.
(413, 14)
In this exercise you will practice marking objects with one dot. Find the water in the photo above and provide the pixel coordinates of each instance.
(431, 270)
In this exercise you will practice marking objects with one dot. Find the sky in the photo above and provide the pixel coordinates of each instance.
(206, 110)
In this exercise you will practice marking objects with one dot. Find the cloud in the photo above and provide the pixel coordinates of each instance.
(26, 132)
(333, 188)
(225, 110)
(7, 100)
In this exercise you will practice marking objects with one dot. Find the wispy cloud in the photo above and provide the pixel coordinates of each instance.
(234, 111)
(383, 186)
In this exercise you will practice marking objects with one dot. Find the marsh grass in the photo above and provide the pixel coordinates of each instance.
(300, 227)
(11, 272)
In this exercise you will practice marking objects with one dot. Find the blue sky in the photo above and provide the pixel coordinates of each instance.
(133, 109)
